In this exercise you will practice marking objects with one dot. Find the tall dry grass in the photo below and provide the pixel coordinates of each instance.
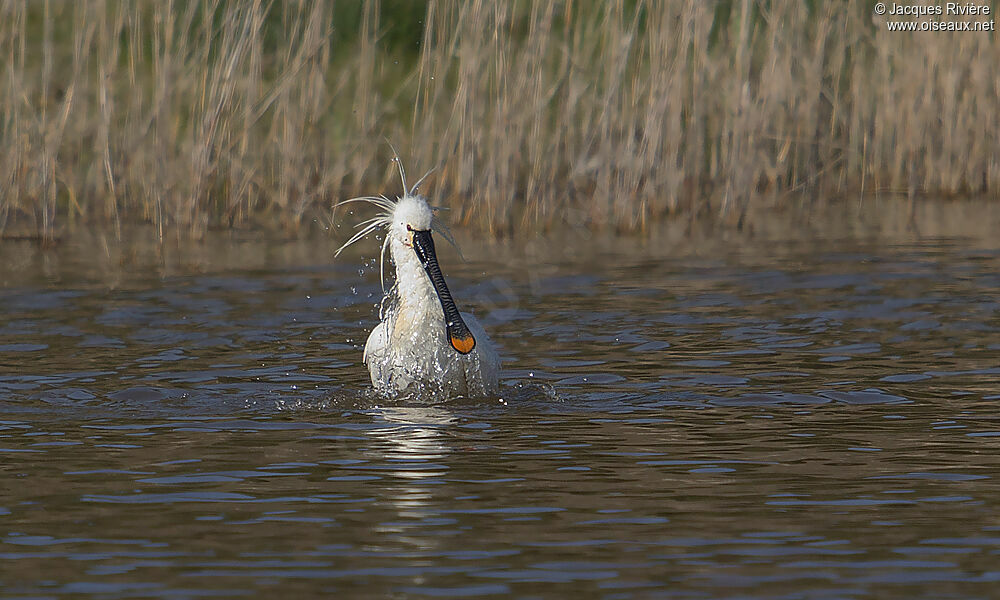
(198, 114)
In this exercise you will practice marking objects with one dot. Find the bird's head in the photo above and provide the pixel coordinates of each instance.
(411, 214)
(409, 221)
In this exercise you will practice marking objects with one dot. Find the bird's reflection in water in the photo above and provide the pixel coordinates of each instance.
(413, 444)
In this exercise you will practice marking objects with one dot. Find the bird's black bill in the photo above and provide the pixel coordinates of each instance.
(458, 332)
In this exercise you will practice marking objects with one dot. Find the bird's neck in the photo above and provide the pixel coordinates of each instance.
(416, 294)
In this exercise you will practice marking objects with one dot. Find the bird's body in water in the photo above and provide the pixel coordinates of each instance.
(423, 341)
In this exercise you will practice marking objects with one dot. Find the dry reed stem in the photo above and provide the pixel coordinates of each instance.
(194, 114)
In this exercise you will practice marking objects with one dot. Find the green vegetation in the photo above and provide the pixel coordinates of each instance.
(192, 115)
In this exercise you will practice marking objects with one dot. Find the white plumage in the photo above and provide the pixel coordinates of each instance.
(423, 341)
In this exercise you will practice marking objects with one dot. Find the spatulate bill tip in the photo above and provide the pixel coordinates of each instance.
(462, 342)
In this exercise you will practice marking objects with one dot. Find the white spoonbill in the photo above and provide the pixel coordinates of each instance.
(423, 340)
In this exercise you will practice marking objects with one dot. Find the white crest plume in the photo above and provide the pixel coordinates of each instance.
(384, 218)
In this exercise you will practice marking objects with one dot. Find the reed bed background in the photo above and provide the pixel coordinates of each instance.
(192, 115)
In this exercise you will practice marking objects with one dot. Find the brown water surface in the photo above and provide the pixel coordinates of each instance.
(789, 415)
